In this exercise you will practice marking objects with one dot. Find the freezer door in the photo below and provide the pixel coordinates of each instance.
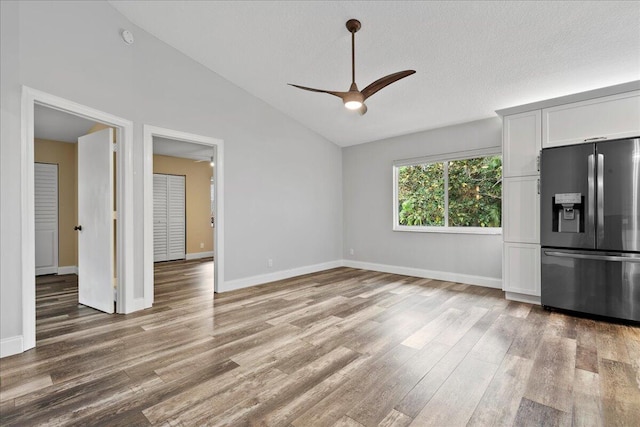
(568, 171)
(618, 190)
(601, 283)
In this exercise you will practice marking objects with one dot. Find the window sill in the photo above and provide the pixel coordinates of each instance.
(450, 230)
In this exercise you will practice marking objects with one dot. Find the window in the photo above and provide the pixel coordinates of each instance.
(456, 194)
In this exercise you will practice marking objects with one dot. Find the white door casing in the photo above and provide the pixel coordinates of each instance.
(127, 301)
(218, 238)
(95, 216)
(46, 218)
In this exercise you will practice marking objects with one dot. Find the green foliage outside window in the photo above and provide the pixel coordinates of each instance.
(474, 193)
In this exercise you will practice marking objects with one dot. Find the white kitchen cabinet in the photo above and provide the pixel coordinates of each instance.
(521, 143)
(521, 210)
(609, 117)
(521, 269)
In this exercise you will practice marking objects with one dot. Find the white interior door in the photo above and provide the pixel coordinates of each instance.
(46, 218)
(95, 216)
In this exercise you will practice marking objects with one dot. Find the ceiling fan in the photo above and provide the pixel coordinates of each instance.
(354, 98)
(210, 160)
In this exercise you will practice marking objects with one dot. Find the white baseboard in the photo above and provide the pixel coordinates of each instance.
(488, 282)
(197, 255)
(514, 296)
(69, 269)
(11, 346)
(246, 282)
(137, 305)
(40, 271)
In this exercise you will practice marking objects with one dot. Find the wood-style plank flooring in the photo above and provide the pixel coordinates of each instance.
(344, 347)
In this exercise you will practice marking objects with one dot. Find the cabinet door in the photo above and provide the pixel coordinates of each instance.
(521, 142)
(521, 210)
(521, 268)
(609, 117)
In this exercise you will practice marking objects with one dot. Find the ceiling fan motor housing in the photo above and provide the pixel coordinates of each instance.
(353, 25)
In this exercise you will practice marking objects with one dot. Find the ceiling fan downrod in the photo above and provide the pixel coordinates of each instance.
(353, 25)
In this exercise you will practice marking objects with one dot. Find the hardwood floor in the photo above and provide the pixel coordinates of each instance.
(344, 347)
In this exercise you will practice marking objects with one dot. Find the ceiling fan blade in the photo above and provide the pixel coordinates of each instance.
(385, 81)
(330, 92)
(362, 110)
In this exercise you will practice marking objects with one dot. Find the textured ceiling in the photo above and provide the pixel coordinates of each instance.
(471, 58)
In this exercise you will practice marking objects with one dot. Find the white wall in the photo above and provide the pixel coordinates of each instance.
(10, 245)
(368, 209)
(283, 182)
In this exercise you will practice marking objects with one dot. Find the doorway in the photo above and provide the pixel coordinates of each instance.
(81, 153)
(123, 132)
(199, 160)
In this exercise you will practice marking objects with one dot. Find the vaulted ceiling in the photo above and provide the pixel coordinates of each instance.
(471, 58)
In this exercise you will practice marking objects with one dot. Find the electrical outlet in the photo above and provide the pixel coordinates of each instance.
(201, 245)
(351, 251)
(269, 262)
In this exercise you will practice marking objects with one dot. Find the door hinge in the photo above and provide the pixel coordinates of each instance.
(115, 148)
(538, 163)
(538, 185)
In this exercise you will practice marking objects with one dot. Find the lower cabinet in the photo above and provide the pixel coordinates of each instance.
(521, 270)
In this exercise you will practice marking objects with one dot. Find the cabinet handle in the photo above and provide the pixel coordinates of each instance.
(538, 185)
(597, 138)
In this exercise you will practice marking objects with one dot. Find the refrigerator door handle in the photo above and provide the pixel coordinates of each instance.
(619, 258)
(600, 214)
(591, 214)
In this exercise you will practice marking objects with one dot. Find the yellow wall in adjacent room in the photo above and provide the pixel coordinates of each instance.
(198, 198)
(65, 155)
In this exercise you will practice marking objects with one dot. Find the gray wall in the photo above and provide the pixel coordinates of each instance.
(283, 182)
(10, 244)
(368, 208)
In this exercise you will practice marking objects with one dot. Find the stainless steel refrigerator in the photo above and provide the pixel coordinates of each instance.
(590, 228)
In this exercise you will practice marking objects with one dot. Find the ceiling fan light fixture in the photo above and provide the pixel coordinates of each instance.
(353, 100)
(353, 105)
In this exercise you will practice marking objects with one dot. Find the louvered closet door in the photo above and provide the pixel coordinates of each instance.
(46, 218)
(160, 252)
(176, 217)
(168, 217)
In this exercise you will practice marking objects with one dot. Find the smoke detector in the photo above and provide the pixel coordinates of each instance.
(127, 36)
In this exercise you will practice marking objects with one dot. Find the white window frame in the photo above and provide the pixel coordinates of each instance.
(461, 155)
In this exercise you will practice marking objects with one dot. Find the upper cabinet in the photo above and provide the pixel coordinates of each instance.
(521, 140)
(609, 117)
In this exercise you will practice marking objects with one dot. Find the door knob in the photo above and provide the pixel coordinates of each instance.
(78, 228)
